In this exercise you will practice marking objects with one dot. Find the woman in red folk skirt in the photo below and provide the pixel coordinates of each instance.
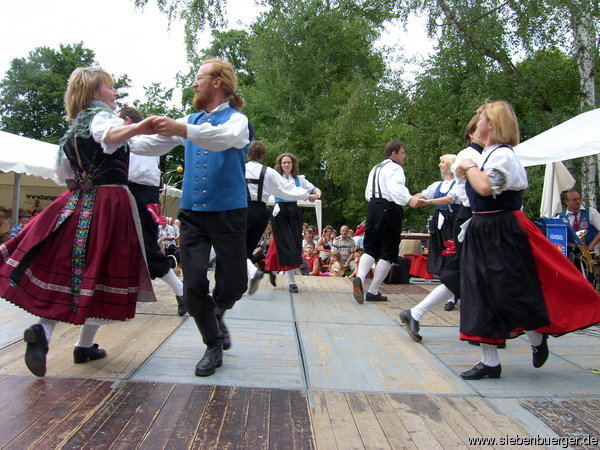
(513, 280)
(80, 260)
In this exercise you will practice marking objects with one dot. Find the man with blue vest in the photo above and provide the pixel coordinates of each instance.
(214, 200)
(582, 218)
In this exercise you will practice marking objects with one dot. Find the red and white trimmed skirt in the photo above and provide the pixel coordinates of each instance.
(81, 257)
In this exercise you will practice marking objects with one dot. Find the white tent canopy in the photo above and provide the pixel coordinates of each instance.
(575, 138)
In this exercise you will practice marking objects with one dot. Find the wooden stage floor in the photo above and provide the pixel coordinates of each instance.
(307, 370)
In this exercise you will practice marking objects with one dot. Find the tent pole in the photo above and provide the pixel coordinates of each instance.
(16, 196)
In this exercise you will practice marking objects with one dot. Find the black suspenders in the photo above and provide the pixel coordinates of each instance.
(259, 181)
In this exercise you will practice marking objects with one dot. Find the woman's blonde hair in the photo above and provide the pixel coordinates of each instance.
(448, 159)
(82, 87)
(503, 122)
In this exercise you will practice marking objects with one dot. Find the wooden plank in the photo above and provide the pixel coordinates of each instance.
(371, 434)
(167, 420)
(302, 431)
(136, 429)
(322, 427)
(79, 413)
(43, 429)
(413, 422)
(33, 405)
(345, 431)
(280, 420)
(456, 420)
(122, 414)
(234, 424)
(256, 435)
(94, 422)
(209, 429)
(189, 420)
(391, 425)
(15, 386)
(431, 414)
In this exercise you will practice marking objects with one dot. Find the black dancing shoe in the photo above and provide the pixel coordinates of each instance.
(255, 281)
(357, 290)
(294, 288)
(540, 352)
(181, 309)
(85, 354)
(412, 325)
(225, 331)
(481, 370)
(273, 279)
(375, 297)
(213, 358)
(449, 306)
(37, 349)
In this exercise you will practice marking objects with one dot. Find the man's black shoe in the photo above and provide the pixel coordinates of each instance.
(449, 306)
(481, 370)
(255, 281)
(37, 349)
(357, 290)
(412, 325)
(540, 353)
(85, 354)
(294, 288)
(181, 309)
(213, 358)
(375, 297)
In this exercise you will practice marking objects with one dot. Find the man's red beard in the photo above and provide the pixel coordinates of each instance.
(198, 103)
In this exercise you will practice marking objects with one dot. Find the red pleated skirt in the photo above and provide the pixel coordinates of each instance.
(80, 258)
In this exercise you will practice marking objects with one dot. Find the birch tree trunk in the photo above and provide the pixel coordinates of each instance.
(582, 22)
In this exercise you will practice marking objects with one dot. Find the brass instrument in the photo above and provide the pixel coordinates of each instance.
(586, 256)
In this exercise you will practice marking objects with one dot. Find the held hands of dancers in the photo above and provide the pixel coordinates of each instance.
(163, 126)
(315, 196)
(417, 200)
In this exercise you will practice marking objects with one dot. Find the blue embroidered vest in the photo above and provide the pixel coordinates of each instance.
(214, 181)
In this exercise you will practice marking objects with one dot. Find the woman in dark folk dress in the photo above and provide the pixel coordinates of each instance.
(513, 280)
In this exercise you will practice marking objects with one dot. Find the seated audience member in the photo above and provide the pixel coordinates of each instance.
(335, 266)
(324, 244)
(312, 259)
(357, 255)
(345, 245)
(309, 238)
(166, 237)
(16, 228)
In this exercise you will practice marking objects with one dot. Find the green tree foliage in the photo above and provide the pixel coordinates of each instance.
(31, 93)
